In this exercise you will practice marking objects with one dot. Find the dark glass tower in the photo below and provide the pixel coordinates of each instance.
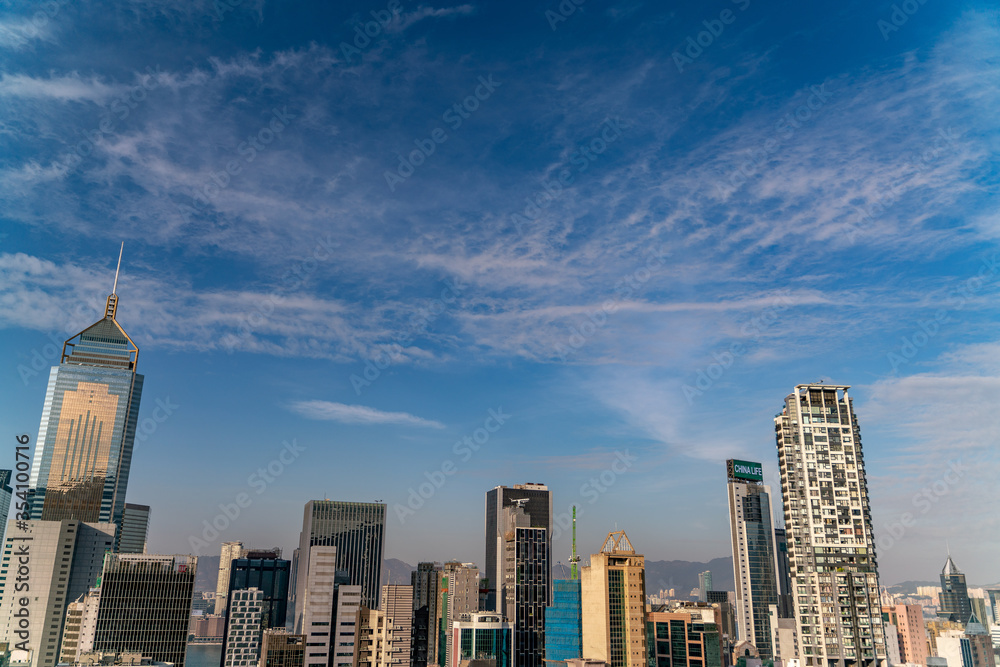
(537, 503)
(267, 573)
(754, 559)
(524, 585)
(954, 598)
(84, 451)
(358, 532)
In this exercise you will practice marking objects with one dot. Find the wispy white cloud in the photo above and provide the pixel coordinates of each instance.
(358, 414)
(71, 87)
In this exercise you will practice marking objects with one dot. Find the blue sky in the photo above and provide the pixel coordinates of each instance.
(363, 244)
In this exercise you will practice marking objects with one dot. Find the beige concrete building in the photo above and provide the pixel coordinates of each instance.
(397, 605)
(458, 596)
(230, 551)
(374, 639)
(910, 632)
(613, 604)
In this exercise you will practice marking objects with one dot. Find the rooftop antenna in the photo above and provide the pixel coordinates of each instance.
(574, 559)
(114, 290)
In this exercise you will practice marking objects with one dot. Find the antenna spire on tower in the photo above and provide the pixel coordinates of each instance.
(114, 290)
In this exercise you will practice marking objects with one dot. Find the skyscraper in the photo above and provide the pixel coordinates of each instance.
(133, 529)
(145, 605)
(458, 595)
(326, 608)
(564, 622)
(523, 589)
(84, 450)
(613, 591)
(64, 559)
(911, 635)
(244, 625)
(785, 607)
(704, 585)
(755, 562)
(279, 648)
(397, 605)
(955, 604)
(537, 502)
(6, 493)
(358, 532)
(268, 572)
(425, 581)
(831, 546)
(484, 640)
(229, 551)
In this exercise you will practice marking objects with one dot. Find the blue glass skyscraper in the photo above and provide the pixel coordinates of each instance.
(564, 622)
(84, 450)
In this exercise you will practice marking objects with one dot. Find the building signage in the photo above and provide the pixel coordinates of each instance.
(746, 470)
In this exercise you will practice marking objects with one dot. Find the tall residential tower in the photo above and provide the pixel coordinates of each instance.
(831, 545)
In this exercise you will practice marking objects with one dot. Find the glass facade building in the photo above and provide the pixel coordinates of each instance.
(564, 622)
(678, 640)
(84, 451)
(146, 605)
(132, 531)
(358, 532)
(536, 499)
(755, 563)
(954, 598)
(485, 637)
(270, 577)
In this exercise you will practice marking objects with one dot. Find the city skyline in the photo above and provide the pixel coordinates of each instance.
(776, 211)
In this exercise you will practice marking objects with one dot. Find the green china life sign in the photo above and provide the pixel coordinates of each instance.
(746, 470)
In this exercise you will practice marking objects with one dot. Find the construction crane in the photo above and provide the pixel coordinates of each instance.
(574, 559)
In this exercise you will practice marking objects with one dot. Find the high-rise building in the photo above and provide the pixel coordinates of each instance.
(484, 640)
(458, 596)
(704, 585)
(84, 450)
(524, 588)
(397, 605)
(955, 604)
(831, 546)
(229, 551)
(911, 634)
(81, 624)
(133, 529)
(564, 622)
(357, 530)
(267, 572)
(425, 581)
(64, 561)
(784, 637)
(755, 563)
(279, 648)
(537, 503)
(680, 640)
(786, 608)
(977, 645)
(6, 493)
(146, 605)
(994, 597)
(327, 608)
(244, 626)
(613, 599)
